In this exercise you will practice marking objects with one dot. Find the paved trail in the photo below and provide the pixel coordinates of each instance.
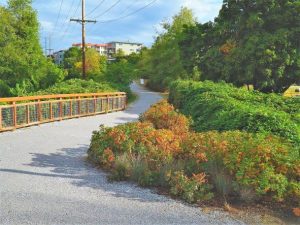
(44, 179)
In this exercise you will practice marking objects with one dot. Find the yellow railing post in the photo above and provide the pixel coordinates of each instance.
(125, 101)
(27, 114)
(0, 118)
(71, 107)
(60, 109)
(95, 104)
(87, 107)
(107, 104)
(39, 111)
(79, 106)
(50, 111)
(14, 115)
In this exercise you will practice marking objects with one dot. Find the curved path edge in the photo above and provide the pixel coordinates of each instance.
(44, 179)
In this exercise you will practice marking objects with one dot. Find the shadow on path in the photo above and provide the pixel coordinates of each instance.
(70, 163)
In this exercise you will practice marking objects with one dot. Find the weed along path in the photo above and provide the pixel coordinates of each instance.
(44, 179)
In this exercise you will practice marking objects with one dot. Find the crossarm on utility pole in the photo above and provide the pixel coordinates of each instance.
(83, 21)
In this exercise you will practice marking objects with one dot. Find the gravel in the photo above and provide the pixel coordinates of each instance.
(44, 179)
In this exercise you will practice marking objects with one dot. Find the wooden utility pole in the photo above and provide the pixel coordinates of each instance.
(83, 40)
(83, 21)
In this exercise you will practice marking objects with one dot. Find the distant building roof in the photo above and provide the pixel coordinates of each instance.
(125, 42)
(89, 44)
(106, 45)
(59, 51)
(101, 45)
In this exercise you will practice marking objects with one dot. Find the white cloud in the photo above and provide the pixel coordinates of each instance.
(46, 26)
(204, 10)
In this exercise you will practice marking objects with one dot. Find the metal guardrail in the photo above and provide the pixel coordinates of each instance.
(28, 111)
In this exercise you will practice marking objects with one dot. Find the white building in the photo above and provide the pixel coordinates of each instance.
(112, 48)
(58, 57)
(126, 47)
(101, 48)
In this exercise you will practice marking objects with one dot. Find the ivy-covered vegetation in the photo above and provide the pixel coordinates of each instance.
(77, 86)
(86, 86)
(222, 107)
(162, 151)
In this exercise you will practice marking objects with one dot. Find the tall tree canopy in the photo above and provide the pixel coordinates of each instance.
(23, 68)
(162, 62)
(250, 42)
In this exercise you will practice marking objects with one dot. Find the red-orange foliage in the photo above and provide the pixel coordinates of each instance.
(259, 162)
(296, 211)
(108, 157)
(163, 116)
(227, 47)
(200, 178)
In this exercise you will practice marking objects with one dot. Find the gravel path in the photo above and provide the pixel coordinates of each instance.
(44, 179)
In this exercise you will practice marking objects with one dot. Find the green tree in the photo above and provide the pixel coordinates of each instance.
(250, 42)
(71, 57)
(95, 63)
(23, 68)
(121, 72)
(162, 63)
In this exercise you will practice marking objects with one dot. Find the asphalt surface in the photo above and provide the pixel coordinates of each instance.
(44, 179)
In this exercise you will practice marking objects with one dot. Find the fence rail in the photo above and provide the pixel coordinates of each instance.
(28, 111)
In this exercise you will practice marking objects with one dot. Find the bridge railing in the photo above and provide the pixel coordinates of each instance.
(18, 112)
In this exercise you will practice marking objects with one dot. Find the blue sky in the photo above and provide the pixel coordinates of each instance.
(140, 27)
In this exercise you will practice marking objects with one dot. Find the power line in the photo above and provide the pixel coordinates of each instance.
(127, 15)
(124, 11)
(73, 15)
(67, 19)
(77, 8)
(107, 10)
(70, 11)
(96, 7)
(128, 7)
(59, 12)
(130, 14)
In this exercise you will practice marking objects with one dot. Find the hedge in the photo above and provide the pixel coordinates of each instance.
(222, 107)
(86, 86)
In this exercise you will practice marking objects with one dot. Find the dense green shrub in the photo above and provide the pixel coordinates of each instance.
(4, 89)
(222, 107)
(77, 86)
(85, 86)
(190, 189)
(194, 166)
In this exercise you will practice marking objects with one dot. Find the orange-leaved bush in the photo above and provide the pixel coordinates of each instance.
(296, 211)
(161, 150)
(163, 116)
